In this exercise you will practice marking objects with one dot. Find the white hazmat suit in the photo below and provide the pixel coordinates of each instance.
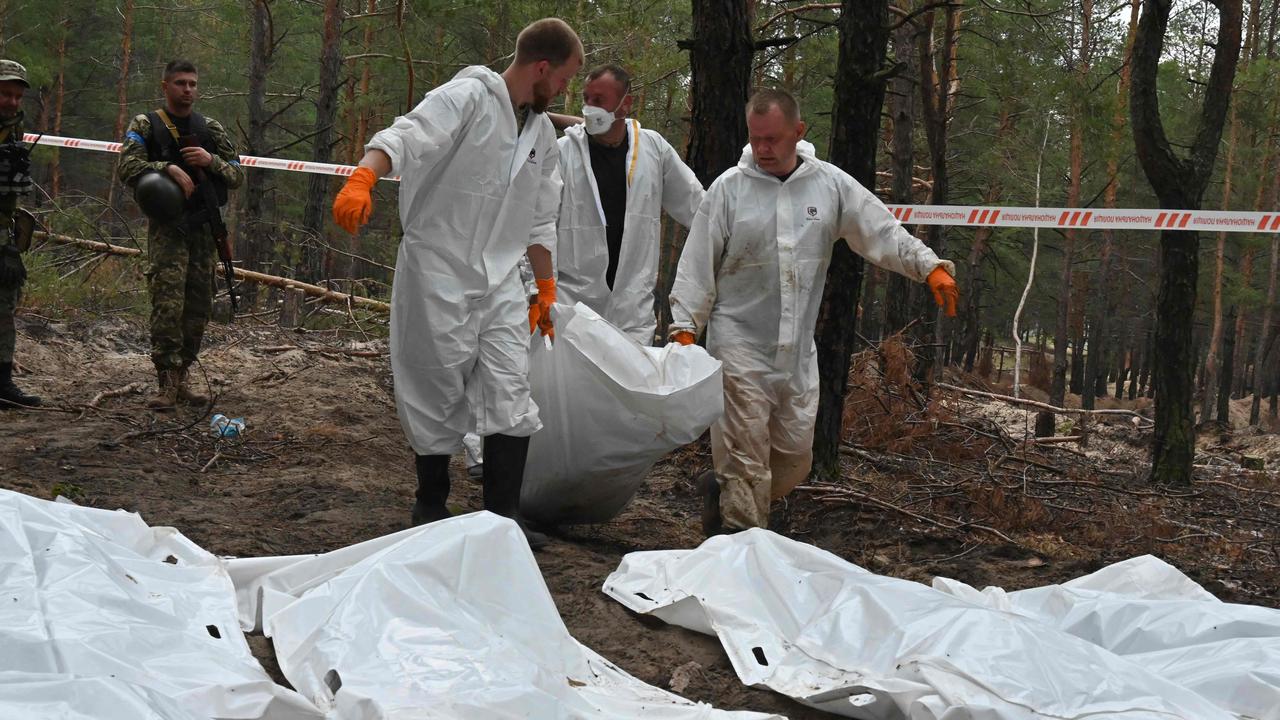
(475, 193)
(752, 274)
(657, 180)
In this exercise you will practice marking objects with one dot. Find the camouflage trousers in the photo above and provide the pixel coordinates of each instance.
(181, 280)
(8, 307)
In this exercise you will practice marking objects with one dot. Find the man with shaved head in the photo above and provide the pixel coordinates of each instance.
(751, 277)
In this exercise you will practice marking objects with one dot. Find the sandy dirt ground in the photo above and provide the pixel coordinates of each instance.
(324, 464)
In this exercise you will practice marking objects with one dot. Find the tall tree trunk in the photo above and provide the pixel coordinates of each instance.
(869, 309)
(1102, 305)
(256, 238)
(977, 254)
(315, 256)
(59, 93)
(973, 298)
(1212, 369)
(1219, 257)
(122, 91)
(411, 97)
(1124, 361)
(1246, 280)
(1264, 332)
(899, 291)
(720, 57)
(366, 110)
(938, 88)
(1058, 390)
(1224, 391)
(1179, 184)
(859, 97)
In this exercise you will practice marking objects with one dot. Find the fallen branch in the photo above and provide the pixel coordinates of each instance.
(315, 291)
(95, 245)
(1042, 406)
(212, 460)
(324, 351)
(133, 387)
(956, 524)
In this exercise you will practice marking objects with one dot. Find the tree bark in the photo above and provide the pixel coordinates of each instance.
(315, 255)
(1179, 183)
(972, 309)
(1224, 391)
(258, 237)
(1103, 307)
(1246, 280)
(1212, 364)
(720, 57)
(411, 97)
(859, 97)
(363, 116)
(869, 309)
(122, 91)
(938, 87)
(1260, 356)
(899, 291)
(59, 93)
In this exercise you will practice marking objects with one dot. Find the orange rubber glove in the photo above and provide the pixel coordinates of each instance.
(684, 337)
(540, 310)
(945, 292)
(354, 203)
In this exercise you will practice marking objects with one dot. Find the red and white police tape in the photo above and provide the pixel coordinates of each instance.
(964, 215)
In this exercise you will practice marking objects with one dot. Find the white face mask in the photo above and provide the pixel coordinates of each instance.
(598, 120)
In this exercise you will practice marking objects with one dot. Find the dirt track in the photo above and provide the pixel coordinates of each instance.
(324, 465)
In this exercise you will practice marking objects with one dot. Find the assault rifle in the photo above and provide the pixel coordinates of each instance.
(211, 214)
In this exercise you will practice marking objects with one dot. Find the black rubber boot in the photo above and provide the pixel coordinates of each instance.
(11, 393)
(433, 489)
(504, 458)
(709, 489)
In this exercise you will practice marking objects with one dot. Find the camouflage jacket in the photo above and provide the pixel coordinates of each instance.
(134, 160)
(9, 201)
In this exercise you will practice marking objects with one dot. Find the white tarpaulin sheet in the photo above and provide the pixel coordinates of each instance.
(448, 620)
(610, 409)
(807, 624)
(104, 617)
(1153, 615)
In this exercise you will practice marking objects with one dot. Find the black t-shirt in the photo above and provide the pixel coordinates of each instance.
(609, 165)
(799, 162)
(182, 123)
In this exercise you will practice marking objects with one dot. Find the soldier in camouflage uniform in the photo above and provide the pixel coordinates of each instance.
(182, 252)
(15, 180)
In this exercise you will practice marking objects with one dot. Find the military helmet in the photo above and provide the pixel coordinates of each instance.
(159, 197)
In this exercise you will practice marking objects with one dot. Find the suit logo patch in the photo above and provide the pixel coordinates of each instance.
(813, 212)
(533, 155)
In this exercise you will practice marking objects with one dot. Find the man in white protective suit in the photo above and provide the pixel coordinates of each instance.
(479, 190)
(751, 275)
(618, 178)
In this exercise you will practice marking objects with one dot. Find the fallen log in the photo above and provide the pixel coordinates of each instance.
(1040, 405)
(315, 291)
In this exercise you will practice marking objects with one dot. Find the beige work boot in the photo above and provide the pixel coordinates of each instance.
(166, 396)
(185, 394)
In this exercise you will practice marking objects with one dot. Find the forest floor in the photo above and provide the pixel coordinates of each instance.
(931, 487)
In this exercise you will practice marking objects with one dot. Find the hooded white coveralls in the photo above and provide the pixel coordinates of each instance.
(475, 193)
(752, 274)
(657, 180)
